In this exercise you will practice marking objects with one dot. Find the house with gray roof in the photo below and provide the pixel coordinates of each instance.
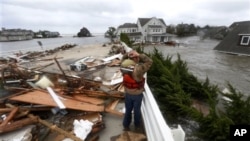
(146, 30)
(238, 39)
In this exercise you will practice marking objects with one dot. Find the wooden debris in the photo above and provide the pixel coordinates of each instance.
(100, 94)
(39, 97)
(59, 66)
(7, 110)
(111, 108)
(49, 125)
(75, 90)
(18, 124)
(57, 129)
(87, 99)
(9, 117)
(131, 136)
(114, 62)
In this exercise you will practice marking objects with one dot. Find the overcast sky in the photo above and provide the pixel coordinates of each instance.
(69, 16)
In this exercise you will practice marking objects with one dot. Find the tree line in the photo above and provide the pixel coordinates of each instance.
(213, 32)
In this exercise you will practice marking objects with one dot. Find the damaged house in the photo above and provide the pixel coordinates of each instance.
(238, 39)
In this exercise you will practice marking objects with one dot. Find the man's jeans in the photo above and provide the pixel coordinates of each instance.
(132, 102)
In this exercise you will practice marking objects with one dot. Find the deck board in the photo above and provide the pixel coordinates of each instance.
(39, 97)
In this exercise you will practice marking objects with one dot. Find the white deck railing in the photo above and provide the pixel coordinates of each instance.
(155, 126)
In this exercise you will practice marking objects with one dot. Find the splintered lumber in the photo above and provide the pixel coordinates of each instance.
(49, 125)
(40, 97)
(17, 124)
(111, 108)
(9, 117)
(55, 128)
(7, 110)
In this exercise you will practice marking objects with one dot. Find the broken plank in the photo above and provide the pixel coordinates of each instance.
(17, 125)
(5, 110)
(88, 99)
(111, 108)
(99, 94)
(9, 117)
(49, 125)
(40, 97)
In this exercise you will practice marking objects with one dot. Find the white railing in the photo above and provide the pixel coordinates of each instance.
(155, 125)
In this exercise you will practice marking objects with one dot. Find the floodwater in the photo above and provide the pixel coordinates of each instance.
(201, 59)
(204, 62)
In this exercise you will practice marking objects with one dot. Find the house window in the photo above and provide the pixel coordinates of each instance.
(245, 40)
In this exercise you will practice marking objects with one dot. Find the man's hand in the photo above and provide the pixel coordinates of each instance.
(133, 54)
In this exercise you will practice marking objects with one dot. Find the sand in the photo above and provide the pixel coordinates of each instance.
(67, 57)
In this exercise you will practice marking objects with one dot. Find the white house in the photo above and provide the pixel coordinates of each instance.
(146, 30)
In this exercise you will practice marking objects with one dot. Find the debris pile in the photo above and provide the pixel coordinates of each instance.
(46, 99)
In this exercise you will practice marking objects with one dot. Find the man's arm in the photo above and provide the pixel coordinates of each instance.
(142, 67)
(145, 62)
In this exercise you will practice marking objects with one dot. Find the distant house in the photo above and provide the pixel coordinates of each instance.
(49, 34)
(15, 35)
(146, 30)
(46, 34)
(238, 39)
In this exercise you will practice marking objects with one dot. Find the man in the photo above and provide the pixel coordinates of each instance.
(134, 66)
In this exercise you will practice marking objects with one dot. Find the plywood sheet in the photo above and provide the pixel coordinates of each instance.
(39, 97)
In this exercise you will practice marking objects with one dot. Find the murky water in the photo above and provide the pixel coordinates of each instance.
(204, 62)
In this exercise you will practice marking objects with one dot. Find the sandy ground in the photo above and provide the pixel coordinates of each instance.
(70, 56)
(67, 57)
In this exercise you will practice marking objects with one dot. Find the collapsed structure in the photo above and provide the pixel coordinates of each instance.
(44, 83)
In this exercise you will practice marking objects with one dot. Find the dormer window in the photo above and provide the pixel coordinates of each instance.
(245, 39)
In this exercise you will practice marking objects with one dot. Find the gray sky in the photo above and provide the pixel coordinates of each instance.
(69, 16)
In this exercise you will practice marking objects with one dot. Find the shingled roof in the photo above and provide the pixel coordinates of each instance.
(143, 21)
(231, 43)
(128, 25)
